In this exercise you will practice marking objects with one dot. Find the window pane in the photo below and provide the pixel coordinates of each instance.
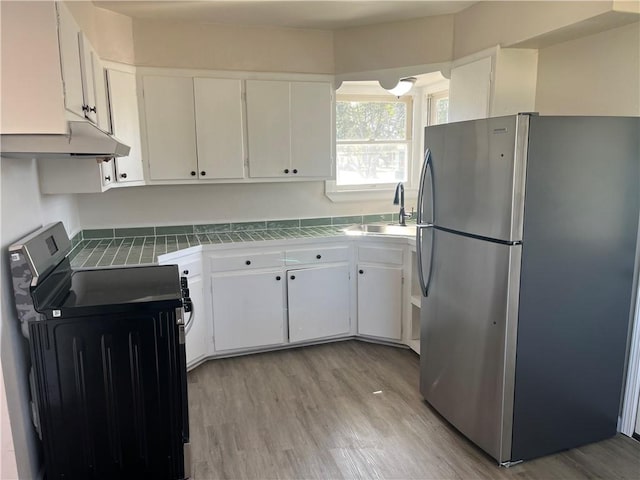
(442, 111)
(371, 120)
(371, 163)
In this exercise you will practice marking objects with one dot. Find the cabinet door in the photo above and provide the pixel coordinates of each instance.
(380, 301)
(197, 328)
(108, 171)
(268, 128)
(311, 129)
(469, 91)
(88, 82)
(100, 88)
(171, 129)
(69, 43)
(219, 129)
(248, 309)
(318, 302)
(125, 123)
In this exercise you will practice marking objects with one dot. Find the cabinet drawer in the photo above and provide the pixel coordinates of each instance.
(317, 255)
(246, 261)
(392, 256)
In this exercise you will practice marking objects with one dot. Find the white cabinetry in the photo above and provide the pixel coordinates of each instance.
(289, 129)
(248, 309)
(73, 175)
(82, 72)
(318, 302)
(125, 123)
(219, 127)
(256, 295)
(198, 338)
(194, 128)
(492, 83)
(197, 326)
(380, 274)
(170, 127)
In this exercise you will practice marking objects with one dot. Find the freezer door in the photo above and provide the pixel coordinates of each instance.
(477, 172)
(467, 340)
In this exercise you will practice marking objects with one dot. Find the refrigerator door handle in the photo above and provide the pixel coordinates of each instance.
(426, 166)
(424, 285)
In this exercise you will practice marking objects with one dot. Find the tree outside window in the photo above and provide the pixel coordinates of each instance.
(373, 140)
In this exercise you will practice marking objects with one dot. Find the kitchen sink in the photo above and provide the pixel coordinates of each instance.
(381, 229)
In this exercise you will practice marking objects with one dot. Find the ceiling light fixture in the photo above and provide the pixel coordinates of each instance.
(403, 87)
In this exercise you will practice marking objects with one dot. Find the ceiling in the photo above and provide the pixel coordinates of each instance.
(314, 14)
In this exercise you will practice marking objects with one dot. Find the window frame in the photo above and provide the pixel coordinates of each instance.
(375, 191)
(432, 98)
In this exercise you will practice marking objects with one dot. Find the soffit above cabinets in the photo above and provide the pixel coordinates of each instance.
(324, 15)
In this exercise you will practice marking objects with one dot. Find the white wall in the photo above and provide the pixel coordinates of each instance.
(192, 204)
(23, 210)
(594, 75)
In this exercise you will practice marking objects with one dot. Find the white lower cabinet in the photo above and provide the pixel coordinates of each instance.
(380, 301)
(198, 344)
(197, 323)
(380, 277)
(318, 302)
(248, 309)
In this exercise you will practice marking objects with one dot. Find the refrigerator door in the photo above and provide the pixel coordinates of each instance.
(468, 336)
(477, 172)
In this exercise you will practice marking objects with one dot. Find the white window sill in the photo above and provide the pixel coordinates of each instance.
(363, 194)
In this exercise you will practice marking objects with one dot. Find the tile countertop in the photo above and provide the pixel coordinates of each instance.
(143, 245)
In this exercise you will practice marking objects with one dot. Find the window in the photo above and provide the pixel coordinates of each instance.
(373, 141)
(438, 107)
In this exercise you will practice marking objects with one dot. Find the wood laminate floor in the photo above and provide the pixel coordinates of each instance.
(350, 410)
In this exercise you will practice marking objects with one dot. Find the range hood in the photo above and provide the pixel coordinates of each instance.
(83, 140)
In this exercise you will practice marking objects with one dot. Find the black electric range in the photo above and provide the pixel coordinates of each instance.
(108, 362)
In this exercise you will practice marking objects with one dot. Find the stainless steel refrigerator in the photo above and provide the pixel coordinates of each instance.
(526, 250)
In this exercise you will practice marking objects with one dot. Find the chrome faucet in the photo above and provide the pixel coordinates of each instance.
(398, 199)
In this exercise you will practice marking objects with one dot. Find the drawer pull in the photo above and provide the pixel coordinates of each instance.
(360, 272)
(318, 256)
(292, 277)
(248, 262)
(278, 278)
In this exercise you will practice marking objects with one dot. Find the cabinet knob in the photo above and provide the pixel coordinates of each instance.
(292, 277)
(286, 170)
(108, 178)
(185, 272)
(360, 272)
(93, 109)
(123, 175)
(278, 278)
(203, 173)
(193, 174)
(318, 256)
(295, 170)
(248, 262)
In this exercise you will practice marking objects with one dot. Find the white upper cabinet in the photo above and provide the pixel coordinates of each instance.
(71, 60)
(125, 123)
(194, 128)
(170, 127)
(497, 82)
(311, 129)
(219, 128)
(289, 128)
(82, 73)
(268, 125)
